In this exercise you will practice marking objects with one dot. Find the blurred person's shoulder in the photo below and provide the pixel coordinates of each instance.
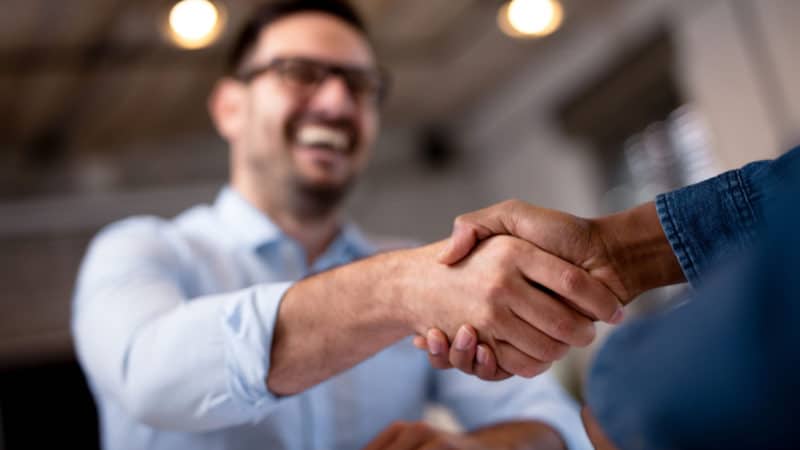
(147, 231)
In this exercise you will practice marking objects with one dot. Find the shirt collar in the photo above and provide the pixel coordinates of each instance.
(254, 229)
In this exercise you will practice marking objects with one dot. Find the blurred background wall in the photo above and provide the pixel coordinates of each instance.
(103, 118)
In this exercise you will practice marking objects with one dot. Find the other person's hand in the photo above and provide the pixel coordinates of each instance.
(596, 434)
(470, 357)
(526, 328)
(421, 436)
(626, 252)
(573, 239)
(504, 435)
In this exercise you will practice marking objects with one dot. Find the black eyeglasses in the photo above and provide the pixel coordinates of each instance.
(306, 75)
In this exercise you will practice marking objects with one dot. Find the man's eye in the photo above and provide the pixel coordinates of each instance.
(302, 74)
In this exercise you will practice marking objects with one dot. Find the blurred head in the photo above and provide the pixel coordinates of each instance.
(299, 106)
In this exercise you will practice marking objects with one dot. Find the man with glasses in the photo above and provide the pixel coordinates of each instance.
(194, 332)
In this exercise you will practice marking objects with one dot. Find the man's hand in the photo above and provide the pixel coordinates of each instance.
(519, 435)
(628, 251)
(469, 356)
(526, 328)
(596, 434)
(361, 308)
(421, 436)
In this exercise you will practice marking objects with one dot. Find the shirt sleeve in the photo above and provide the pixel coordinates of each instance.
(170, 361)
(719, 371)
(717, 218)
(478, 403)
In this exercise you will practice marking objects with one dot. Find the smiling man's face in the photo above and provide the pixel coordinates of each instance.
(306, 137)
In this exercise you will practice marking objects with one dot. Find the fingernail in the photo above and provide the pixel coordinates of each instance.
(617, 317)
(435, 346)
(464, 339)
(482, 355)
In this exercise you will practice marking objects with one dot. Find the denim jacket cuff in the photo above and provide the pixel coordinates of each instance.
(706, 221)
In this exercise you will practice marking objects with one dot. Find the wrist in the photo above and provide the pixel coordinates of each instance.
(405, 273)
(639, 250)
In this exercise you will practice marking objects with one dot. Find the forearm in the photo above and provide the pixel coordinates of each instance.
(639, 249)
(519, 435)
(334, 320)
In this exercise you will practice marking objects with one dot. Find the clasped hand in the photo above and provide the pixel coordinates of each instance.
(547, 285)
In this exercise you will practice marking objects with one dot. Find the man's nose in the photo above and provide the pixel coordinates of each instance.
(334, 97)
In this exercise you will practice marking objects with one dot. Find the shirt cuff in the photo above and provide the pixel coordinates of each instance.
(706, 221)
(248, 324)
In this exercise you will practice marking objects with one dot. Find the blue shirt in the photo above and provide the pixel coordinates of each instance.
(173, 321)
(721, 370)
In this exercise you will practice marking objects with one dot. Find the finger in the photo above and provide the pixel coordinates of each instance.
(513, 361)
(470, 228)
(420, 342)
(462, 241)
(553, 317)
(486, 367)
(462, 352)
(530, 341)
(587, 294)
(438, 349)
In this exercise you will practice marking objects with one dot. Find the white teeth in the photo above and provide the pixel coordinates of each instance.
(315, 135)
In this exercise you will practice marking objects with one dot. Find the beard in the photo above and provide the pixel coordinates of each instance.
(312, 202)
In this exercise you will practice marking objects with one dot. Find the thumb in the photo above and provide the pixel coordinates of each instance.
(462, 240)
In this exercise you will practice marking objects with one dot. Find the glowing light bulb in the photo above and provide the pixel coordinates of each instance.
(530, 18)
(194, 23)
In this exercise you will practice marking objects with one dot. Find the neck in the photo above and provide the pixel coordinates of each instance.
(314, 234)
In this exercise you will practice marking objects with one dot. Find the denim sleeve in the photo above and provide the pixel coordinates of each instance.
(714, 219)
(720, 371)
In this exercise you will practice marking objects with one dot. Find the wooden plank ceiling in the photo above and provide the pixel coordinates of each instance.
(95, 77)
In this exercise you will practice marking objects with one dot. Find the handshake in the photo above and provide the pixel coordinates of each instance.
(516, 285)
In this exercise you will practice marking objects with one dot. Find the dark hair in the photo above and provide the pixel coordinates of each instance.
(272, 11)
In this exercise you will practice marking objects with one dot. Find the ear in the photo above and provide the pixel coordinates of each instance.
(227, 106)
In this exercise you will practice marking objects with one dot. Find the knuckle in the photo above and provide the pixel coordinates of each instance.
(507, 244)
(501, 248)
(497, 289)
(571, 280)
(511, 203)
(462, 220)
(489, 317)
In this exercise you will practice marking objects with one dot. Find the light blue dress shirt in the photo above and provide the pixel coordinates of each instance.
(173, 323)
